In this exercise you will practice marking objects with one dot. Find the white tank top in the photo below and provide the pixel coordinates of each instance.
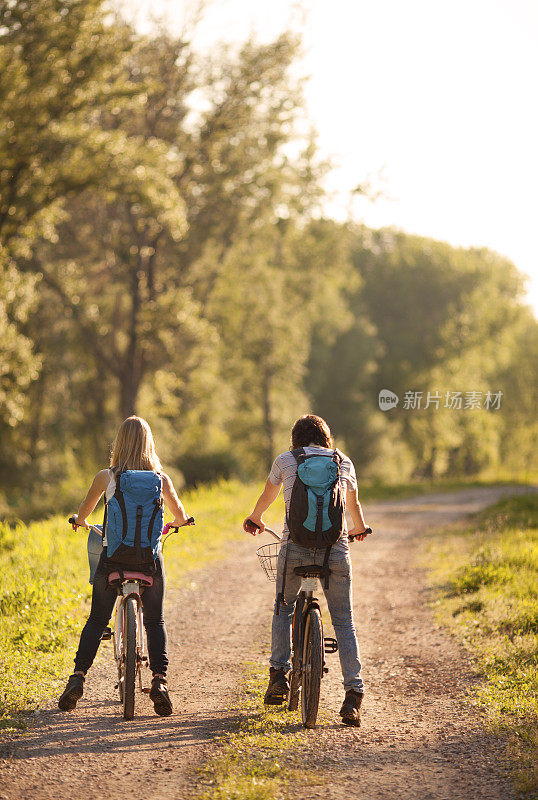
(109, 492)
(111, 488)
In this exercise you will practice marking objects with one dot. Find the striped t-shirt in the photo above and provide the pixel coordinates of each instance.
(284, 471)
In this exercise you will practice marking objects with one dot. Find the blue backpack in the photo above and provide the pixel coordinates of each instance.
(316, 511)
(316, 508)
(134, 518)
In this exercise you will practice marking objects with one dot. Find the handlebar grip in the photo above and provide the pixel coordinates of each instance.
(175, 528)
(365, 532)
(72, 520)
(254, 524)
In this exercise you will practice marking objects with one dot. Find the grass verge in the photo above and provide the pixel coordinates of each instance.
(255, 761)
(44, 586)
(219, 510)
(485, 573)
(377, 491)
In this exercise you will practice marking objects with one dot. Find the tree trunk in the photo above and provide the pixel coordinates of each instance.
(133, 367)
(268, 419)
(129, 388)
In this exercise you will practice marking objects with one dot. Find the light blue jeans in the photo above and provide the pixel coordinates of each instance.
(339, 600)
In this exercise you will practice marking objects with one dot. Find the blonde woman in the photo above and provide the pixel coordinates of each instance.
(133, 448)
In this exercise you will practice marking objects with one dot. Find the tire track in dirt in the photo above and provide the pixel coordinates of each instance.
(417, 739)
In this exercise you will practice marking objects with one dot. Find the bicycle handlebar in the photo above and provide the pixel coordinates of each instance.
(266, 529)
(174, 528)
(75, 525)
(278, 538)
(275, 535)
(72, 521)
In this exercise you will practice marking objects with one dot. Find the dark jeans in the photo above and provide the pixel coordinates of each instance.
(103, 599)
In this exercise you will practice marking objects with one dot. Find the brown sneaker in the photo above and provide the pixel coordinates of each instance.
(351, 708)
(159, 694)
(278, 688)
(72, 692)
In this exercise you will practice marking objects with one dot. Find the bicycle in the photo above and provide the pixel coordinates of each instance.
(309, 645)
(127, 630)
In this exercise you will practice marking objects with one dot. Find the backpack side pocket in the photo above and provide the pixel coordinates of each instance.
(114, 526)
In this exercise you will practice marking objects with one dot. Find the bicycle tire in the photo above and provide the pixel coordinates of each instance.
(117, 646)
(312, 668)
(120, 684)
(295, 687)
(129, 662)
(296, 640)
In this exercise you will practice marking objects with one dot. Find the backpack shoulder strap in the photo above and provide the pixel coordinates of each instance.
(299, 454)
(338, 456)
(118, 494)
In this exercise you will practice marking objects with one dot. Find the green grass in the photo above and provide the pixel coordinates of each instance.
(258, 759)
(369, 492)
(486, 577)
(44, 590)
(219, 510)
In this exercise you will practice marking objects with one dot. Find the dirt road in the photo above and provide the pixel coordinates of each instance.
(417, 740)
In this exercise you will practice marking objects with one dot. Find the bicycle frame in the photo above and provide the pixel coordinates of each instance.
(128, 589)
(309, 646)
(309, 587)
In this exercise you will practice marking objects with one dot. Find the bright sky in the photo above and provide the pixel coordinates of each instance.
(433, 100)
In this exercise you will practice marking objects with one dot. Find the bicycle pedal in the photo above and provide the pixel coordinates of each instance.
(146, 690)
(331, 645)
(325, 670)
(107, 634)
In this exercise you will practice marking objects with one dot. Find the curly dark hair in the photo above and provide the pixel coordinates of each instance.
(310, 429)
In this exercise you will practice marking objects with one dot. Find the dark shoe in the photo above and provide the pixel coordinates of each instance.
(72, 692)
(159, 694)
(351, 708)
(278, 688)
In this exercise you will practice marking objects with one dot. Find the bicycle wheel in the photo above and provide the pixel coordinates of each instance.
(117, 644)
(296, 640)
(129, 653)
(312, 668)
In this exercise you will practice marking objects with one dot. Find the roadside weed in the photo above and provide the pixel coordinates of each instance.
(485, 572)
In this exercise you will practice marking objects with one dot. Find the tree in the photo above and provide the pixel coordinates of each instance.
(442, 319)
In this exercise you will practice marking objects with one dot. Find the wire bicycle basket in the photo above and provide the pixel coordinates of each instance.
(268, 555)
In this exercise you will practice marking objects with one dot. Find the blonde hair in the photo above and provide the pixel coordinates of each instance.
(134, 447)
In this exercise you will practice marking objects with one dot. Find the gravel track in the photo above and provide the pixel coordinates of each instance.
(418, 740)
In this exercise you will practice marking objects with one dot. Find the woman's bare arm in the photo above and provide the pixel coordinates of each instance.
(173, 502)
(100, 482)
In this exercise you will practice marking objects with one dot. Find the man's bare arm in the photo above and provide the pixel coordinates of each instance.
(267, 497)
(354, 507)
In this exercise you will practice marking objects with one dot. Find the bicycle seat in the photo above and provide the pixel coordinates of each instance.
(131, 575)
(311, 571)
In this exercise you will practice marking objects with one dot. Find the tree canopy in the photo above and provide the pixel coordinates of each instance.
(164, 251)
